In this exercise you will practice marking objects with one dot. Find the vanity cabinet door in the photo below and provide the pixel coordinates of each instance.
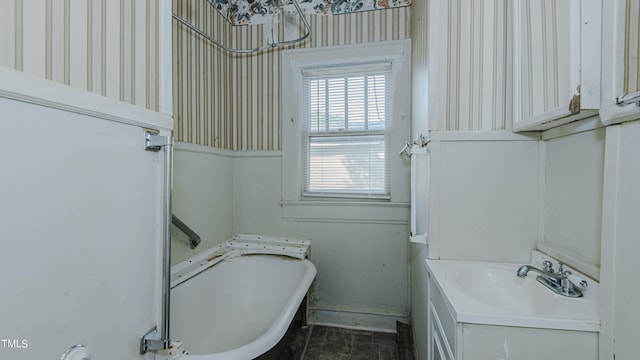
(442, 326)
(556, 62)
(620, 60)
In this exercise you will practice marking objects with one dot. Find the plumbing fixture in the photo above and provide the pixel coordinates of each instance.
(277, 6)
(560, 282)
(76, 352)
(194, 239)
(154, 339)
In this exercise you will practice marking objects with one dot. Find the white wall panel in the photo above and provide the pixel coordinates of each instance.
(574, 165)
(84, 217)
(202, 196)
(483, 199)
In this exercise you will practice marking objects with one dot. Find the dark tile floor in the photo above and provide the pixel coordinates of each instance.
(331, 343)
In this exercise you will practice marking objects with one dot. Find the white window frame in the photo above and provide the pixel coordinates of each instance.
(293, 62)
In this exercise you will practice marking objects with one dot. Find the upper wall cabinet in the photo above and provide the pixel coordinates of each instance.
(556, 62)
(620, 61)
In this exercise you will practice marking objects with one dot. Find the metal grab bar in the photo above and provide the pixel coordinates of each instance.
(154, 339)
(274, 44)
(194, 239)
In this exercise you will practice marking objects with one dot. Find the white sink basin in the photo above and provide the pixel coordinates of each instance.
(491, 293)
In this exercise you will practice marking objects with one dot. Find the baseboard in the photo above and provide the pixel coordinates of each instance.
(356, 320)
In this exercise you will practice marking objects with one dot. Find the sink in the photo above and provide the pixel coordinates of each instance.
(491, 293)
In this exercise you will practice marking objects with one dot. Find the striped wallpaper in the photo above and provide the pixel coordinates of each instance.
(545, 58)
(632, 48)
(474, 62)
(233, 101)
(108, 47)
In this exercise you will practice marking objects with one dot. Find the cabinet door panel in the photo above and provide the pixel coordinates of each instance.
(544, 48)
(632, 47)
(620, 60)
(556, 65)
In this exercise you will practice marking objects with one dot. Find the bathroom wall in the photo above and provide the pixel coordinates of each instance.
(362, 263)
(620, 245)
(203, 185)
(81, 218)
(461, 75)
(232, 102)
(467, 69)
(106, 47)
(241, 94)
(573, 180)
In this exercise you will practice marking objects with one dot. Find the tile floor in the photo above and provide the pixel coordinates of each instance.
(331, 343)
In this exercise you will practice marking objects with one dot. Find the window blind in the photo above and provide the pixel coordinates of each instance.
(346, 127)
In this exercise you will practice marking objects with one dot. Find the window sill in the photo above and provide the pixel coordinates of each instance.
(346, 211)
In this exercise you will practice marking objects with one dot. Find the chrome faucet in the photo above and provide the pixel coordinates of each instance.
(557, 282)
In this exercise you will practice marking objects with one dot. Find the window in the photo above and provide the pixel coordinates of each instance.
(346, 126)
(344, 120)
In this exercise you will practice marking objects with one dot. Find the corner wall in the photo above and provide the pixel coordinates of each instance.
(82, 218)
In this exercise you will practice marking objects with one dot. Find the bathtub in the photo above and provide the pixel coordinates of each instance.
(240, 307)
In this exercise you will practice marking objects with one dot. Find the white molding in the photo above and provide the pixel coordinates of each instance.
(576, 127)
(502, 135)
(350, 318)
(610, 206)
(27, 88)
(258, 154)
(548, 120)
(346, 212)
(201, 149)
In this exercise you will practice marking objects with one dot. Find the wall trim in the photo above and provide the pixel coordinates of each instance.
(356, 319)
(202, 149)
(27, 88)
(345, 211)
(575, 127)
(490, 135)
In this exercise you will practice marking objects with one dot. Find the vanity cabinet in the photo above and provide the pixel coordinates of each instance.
(453, 340)
(556, 67)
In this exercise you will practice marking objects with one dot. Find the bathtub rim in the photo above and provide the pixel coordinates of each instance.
(276, 330)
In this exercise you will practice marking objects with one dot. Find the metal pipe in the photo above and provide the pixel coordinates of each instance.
(166, 259)
(194, 239)
(154, 340)
(274, 44)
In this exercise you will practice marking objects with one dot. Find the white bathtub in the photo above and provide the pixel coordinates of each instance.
(239, 308)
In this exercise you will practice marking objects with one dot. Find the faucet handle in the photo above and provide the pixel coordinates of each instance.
(577, 281)
(546, 264)
(561, 268)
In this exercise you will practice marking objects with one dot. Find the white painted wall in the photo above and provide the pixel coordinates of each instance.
(573, 176)
(257, 178)
(81, 219)
(202, 196)
(483, 202)
(620, 246)
(362, 264)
